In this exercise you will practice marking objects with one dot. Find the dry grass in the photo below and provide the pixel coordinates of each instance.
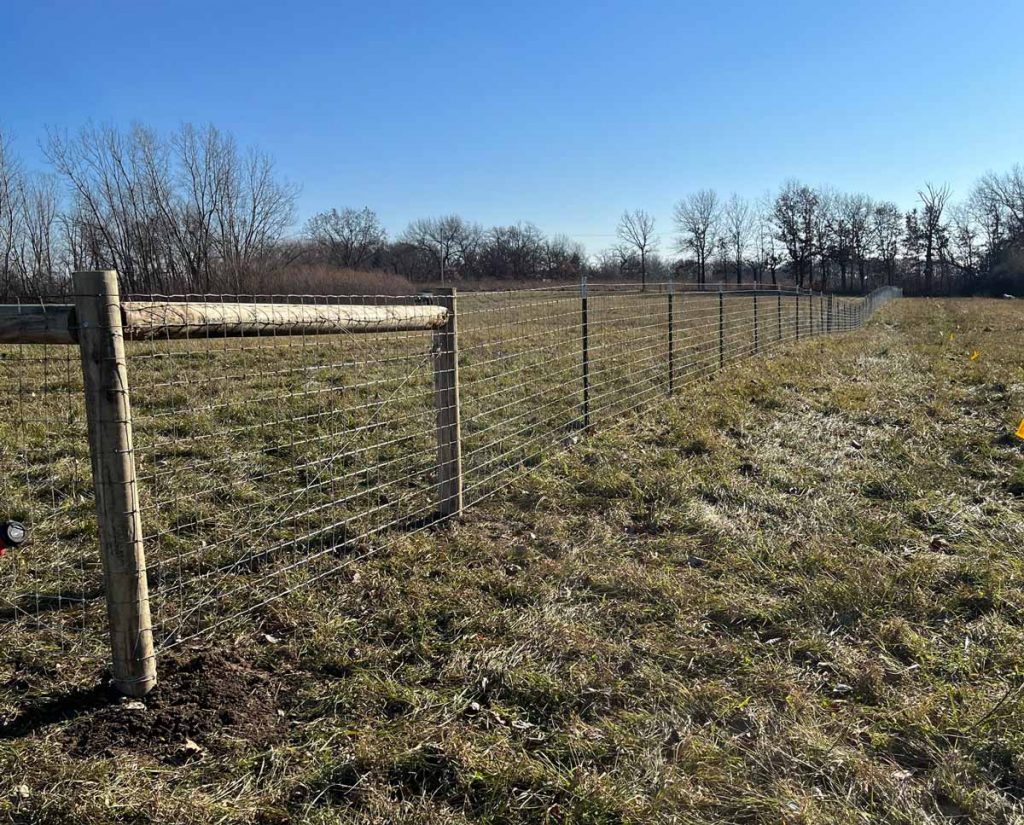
(790, 595)
(323, 279)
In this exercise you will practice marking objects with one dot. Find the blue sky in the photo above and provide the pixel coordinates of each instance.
(563, 114)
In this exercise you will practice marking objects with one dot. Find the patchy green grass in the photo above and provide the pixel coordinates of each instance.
(792, 593)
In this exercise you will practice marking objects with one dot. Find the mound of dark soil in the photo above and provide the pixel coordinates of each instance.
(201, 703)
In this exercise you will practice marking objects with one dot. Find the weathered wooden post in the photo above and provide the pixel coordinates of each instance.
(798, 313)
(779, 299)
(585, 330)
(828, 316)
(671, 337)
(112, 453)
(721, 327)
(446, 403)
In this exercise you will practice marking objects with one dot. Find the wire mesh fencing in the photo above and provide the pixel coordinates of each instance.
(51, 587)
(274, 440)
(270, 460)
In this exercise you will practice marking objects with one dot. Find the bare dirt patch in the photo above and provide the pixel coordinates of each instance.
(207, 699)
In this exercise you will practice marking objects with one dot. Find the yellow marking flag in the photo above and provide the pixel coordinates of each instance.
(974, 355)
(1020, 429)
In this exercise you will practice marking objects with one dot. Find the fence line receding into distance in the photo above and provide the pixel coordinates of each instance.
(224, 451)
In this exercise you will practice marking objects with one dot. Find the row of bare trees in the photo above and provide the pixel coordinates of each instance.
(31, 227)
(818, 237)
(442, 249)
(191, 211)
(185, 212)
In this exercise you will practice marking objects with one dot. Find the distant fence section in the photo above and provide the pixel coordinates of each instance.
(223, 451)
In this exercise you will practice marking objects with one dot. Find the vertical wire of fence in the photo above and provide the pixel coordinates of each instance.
(277, 439)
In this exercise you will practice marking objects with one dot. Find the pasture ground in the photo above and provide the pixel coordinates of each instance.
(793, 593)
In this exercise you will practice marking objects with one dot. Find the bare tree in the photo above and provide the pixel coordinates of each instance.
(857, 209)
(120, 222)
(933, 201)
(349, 238)
(738, 223)
(964, 239)
(913, 243)
(564, 258)
(171, 213)
(1005, 193)
(39, 203)
(886, 229)
(837, 244)
(636, 229)
(823, 222)
(449, 241)
(697, 218)
(10, 180)
(254, 215)
(990, 216)
(621, 258)
(514, 252)
(766, 257)
(795, 212)
(722, 247)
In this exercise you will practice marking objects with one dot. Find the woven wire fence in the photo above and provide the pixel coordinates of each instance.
(51, 588)
(268, 461)
(271, 459)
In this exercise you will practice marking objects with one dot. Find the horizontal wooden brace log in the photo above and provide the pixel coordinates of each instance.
(147, 320)
(161, 320)
(39, 324)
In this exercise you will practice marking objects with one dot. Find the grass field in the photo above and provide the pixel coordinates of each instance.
(790, 594)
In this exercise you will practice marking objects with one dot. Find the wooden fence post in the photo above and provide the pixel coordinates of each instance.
(585, 336)
(797, 313)
(721, 327)
(112, 454)
(671, 338)
(446, 403)
(779, 300)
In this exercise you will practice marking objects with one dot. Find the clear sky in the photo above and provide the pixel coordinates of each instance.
(563, 114)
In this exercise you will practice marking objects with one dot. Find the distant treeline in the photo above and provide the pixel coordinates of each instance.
(192, 212)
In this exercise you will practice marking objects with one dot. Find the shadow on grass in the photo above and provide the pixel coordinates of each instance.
(59, 709)
(33, 603)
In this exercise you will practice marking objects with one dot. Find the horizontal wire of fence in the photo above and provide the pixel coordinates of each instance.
(275, 440)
